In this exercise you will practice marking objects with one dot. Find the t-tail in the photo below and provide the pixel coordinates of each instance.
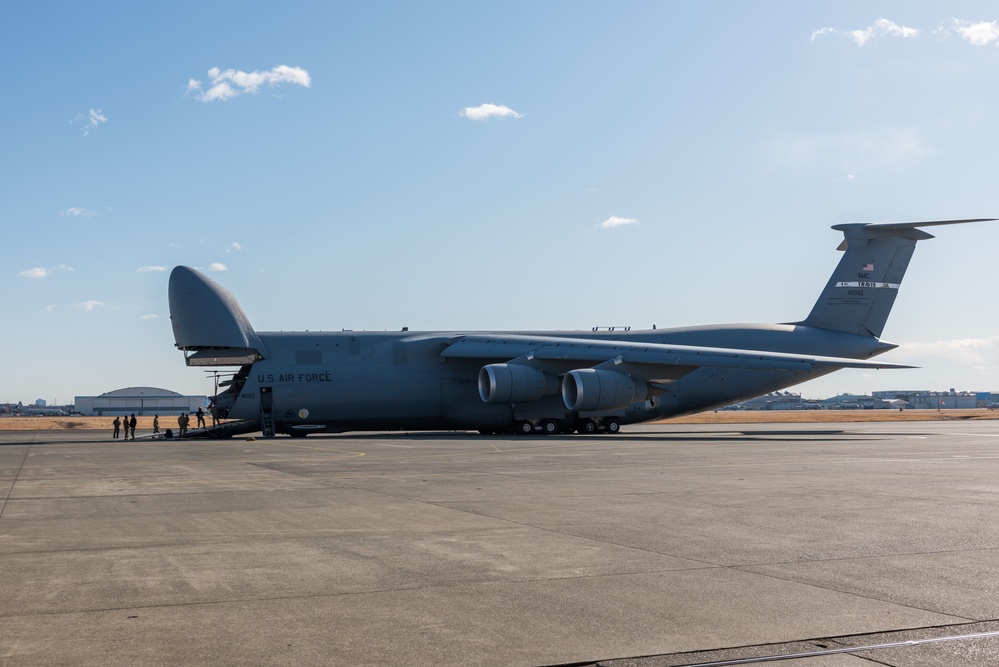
(864, 285)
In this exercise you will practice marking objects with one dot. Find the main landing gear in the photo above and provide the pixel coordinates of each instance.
(585, 426)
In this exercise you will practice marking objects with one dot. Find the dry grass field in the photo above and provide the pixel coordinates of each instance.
(145, 423)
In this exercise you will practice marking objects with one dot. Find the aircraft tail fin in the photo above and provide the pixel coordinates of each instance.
(860, 294)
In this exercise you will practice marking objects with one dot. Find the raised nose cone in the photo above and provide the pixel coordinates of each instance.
(206, 315)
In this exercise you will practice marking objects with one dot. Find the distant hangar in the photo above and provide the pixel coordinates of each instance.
(139, 401)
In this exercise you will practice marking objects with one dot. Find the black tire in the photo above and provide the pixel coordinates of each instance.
(586, 426)
(549, 427)
(613, 426)
(524, 427)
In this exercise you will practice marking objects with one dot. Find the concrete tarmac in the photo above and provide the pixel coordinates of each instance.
(842, 544)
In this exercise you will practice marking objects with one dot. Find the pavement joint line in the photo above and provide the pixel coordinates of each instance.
(13, 482)
(311, 596)
(847, 649)
(854, 594)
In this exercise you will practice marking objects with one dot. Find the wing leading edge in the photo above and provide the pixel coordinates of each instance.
(541, 349)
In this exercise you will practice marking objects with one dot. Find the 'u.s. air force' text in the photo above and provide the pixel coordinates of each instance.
(294, 377)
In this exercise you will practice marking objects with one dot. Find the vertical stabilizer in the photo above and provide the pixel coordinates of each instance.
(862, 289)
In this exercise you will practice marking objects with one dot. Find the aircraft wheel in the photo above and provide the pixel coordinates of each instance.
(297, 434)
(549, 427)
(524, 427)
(612, 425)
(586, 426)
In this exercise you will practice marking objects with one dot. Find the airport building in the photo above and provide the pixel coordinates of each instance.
(879, 400)
(935, 400)
(139, 401)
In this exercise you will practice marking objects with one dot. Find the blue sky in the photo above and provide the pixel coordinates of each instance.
(518, 165)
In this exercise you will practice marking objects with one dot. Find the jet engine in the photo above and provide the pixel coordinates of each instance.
(515, 383)
(595, 390)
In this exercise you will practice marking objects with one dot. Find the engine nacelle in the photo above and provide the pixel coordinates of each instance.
(595, 390)
(515, 383)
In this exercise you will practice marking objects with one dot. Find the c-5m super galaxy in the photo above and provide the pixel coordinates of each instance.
(552, 381)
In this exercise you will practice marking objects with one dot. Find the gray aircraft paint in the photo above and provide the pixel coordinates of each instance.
(298, 383)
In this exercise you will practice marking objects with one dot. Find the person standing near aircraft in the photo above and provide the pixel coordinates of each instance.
(156, 423)
(215, 414)
(117, 424)
(201, 417)
(131, 425)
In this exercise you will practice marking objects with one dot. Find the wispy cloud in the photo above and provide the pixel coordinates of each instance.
(880, 28)
(980, 353)
(89, 306)
(848, 152)
(91, 121)
(487, 111)
(217, 266)
(230, 83)
(151, 317)
(151, 269)
(234, 246)
(42, 272)
(77, 212)
(617, 221)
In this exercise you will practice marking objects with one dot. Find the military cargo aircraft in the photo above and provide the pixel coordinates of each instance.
(551, 381)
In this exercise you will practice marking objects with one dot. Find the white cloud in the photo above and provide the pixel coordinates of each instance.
(93, 119)
(151, 317)
(979, 34)
(616, 221)
(880, 28)
(89, 306)
(42, 272)
(850, 152)
(234, 246)
(230, 83)
(151, 269)
(217, 266)
(487, 111)
(974, 352)
(77, 212)
(49, 308)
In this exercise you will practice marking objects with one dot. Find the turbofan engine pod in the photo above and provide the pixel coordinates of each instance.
(595, 390)
(515, 383)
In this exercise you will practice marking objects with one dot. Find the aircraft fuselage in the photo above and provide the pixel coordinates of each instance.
(348, 381)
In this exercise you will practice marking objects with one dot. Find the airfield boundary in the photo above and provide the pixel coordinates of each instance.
(145, 423)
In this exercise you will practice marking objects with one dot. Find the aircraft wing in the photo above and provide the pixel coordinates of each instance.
(648, 360)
